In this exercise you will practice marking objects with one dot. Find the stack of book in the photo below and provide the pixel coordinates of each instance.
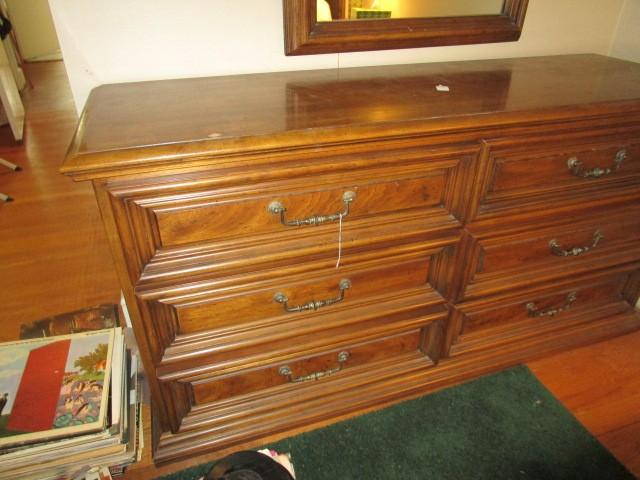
(69, 407)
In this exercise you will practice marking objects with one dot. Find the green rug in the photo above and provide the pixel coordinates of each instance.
(503, 426)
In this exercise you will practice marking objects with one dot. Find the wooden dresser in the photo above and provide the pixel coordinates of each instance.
(299, 247)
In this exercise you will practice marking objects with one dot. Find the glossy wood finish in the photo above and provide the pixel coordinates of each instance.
(304, 35)
(598, 383)
(54, 257)
(526, 172)
(505, 319)
(497, 254)
(178, 220)
(441, 187)
(278, 112)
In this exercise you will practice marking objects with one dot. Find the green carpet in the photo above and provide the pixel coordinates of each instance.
(503, 426)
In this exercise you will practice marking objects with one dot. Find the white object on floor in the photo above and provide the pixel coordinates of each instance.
(11, 101)
(9, 165)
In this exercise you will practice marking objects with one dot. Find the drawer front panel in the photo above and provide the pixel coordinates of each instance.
(226, 309)
(548, 172)
(190, 222)
(554, 305)
(559, 248)
(504, 320)
(227, 218)
(546, 252)
(572, 168)
(310, 369)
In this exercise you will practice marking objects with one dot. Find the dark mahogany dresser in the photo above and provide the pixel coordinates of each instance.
(296, 248)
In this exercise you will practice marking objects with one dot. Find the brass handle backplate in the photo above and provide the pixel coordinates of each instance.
(276, 208)
(286, 371)
(557, 250)
(344, 285)
(577, 168)
(534, 311)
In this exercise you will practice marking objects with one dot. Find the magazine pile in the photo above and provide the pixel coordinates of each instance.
(69, 407)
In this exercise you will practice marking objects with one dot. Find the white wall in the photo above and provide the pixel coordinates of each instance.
(128, 40)
(34, 29)
(626, 41)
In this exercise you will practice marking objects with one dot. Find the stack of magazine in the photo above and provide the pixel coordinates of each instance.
(69, 407)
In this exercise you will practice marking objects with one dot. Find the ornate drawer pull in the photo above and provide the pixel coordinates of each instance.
(534, 312)
(557, 250)
(345, 284)
(575, 166)
(285, 371)
(276, 208)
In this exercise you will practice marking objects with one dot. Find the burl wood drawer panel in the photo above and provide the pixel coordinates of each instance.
(223, 311)
(212, 215)
(251, 303)
(542, 312)
(496, 261)
(346, 375)
(550, 170)
(320, 367)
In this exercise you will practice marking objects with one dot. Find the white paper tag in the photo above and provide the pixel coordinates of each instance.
(442, 88)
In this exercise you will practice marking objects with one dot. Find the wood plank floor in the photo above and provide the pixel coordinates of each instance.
(54, 258)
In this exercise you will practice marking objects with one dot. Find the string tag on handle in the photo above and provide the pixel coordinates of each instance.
(339, 242)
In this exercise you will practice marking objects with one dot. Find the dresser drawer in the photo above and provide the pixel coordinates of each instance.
(225, 217)
(302, 370)
(548, 171)
(335, 351)
(215, 215)
(275, 301)
(497, 261)
(507, 319)
(232, 310)
(318, 379)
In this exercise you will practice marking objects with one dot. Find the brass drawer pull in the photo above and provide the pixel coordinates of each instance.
(576, 167)
(276, 208)
(557, 250)
(551, 312)
(285, 371)
(345, 284)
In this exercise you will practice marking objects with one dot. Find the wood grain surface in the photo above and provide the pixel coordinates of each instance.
(52, 271)
(290, 109)
(53, 250)
(184, 212)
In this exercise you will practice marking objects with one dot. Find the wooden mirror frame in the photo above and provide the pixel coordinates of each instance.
(304, 35)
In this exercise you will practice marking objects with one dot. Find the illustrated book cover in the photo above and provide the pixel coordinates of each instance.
(54, 387)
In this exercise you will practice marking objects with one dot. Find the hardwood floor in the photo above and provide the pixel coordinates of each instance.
(600, 385)
(54, 258)
(53, 251)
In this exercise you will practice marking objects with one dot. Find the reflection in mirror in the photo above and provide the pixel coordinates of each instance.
(328, 10)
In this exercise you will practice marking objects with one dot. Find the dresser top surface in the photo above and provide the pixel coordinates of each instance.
(264, 111)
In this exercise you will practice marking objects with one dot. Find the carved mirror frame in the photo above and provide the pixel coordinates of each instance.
(304, 35)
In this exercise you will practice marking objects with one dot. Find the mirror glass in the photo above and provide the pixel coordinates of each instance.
(329, 10)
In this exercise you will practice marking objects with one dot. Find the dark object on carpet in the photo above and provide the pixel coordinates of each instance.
(503, 426)
(248, 466)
